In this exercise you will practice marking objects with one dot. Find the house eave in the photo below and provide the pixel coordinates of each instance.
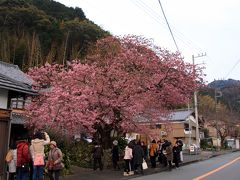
(18, 89)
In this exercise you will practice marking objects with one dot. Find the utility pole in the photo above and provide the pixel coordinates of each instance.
(195, 100)
(190, 133)
(217, 95)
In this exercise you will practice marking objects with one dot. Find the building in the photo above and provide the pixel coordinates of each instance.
(212, 131)
(15, 87)
(180, 124)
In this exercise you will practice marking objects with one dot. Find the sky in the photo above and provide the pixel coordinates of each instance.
(198, 26)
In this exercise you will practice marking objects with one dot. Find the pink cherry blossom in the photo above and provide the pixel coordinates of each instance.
(120, 79)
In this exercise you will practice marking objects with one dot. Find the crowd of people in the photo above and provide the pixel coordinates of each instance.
(160, 151)
(167, 153)
(137, 153)
(26, 159)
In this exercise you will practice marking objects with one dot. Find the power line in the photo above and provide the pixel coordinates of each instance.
(234, 66)
(148, 11)
(168, 25)
(156, 17)
(180, 35)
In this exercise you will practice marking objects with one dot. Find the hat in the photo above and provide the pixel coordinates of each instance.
(53, 143)
(115, 142)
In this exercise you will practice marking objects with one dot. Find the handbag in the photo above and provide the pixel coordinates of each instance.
(9, 156)
(50, 164)
(144, 164)
(58, 166)
(38, 160)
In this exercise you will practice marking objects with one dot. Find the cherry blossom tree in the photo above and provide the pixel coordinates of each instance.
(119, 80)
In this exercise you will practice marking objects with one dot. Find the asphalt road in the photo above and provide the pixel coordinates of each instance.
(224, 167)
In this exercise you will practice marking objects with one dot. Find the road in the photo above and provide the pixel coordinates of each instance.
(225, 167)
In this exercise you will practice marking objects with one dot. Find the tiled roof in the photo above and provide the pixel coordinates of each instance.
(12, 78)
(13, 72)
(177, 115)
(180, 115)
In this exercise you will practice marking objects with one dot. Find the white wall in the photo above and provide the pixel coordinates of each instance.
(237, 143)
(3, 98)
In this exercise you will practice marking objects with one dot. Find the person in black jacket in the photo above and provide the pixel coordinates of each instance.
(145, 150)
(180, 145)
(97, 156)
(115, 155)
(138, 156)
(176, 155)
(163, 152)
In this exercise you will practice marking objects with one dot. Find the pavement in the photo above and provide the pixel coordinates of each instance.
(110, 174)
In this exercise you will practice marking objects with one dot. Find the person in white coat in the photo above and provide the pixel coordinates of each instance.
(13, 163)
(37, 151)
(127, 158)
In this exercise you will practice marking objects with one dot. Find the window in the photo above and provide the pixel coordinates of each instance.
(186, 127)
(17, 103)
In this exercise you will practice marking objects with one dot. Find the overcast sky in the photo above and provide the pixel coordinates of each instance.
(199, 26)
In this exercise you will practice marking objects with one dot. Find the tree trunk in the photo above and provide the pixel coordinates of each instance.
(103, 130)
(222, 141)
(103, 135)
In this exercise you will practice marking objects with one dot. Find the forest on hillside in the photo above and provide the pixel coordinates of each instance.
(219, 107)
(229, 93)
(33, 32)
(223, 94)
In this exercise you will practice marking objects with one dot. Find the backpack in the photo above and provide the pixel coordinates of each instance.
(9, 156)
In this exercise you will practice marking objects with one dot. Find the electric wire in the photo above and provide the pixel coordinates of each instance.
(234, 66)
(155, 16)
(179, 35)
(168, 25)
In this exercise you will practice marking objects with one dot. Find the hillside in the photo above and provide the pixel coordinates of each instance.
(36, 31)
(221, 84)
(58, 10)
(230, 90)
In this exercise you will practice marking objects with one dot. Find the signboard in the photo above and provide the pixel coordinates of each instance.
(191, 148)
